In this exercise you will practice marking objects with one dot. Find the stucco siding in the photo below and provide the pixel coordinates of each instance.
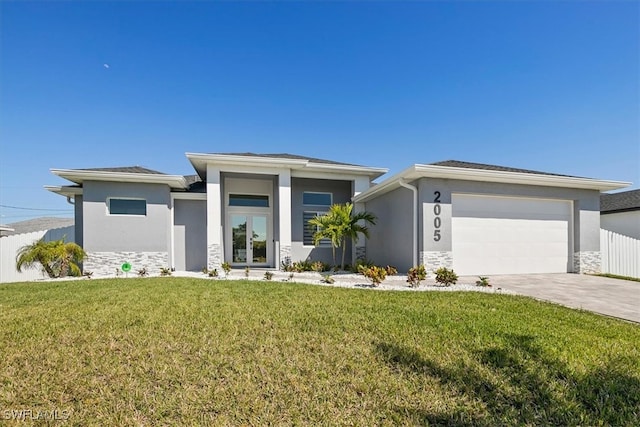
(78, 220)
(626, 223)
(391, 240)
(190, 235)
(125, 233)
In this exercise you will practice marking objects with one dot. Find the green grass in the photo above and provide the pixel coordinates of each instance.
(178, 351)
(615, 276)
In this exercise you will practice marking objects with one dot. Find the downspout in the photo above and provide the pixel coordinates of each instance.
(69, 201)
(415, 218)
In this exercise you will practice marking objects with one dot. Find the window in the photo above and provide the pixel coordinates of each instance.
(128, 207)
(249, 200)
(309, 230)
(317, 199)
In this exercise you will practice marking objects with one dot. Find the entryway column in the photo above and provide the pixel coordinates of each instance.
(284, 216)
(215, 255)
(359, 250)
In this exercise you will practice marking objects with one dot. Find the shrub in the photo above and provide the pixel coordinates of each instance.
(143, 272)
(226, 267)
(88, 274)
(483, 281)
(391, 270)
(213, 273)
(320, 266)
(326, 278)
(446, 277)
(375, 274)
(416, 275)
(301, 266)
(247, 270)
(268, 275)
(165, 271)
(286, 265)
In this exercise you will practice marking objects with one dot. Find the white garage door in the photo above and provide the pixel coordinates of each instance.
(509, 235)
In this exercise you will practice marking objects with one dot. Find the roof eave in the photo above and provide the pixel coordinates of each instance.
(446, 172)
(64, 190)
(199, 161)
(78, 177)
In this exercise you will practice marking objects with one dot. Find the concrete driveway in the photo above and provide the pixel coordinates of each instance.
(613, 297)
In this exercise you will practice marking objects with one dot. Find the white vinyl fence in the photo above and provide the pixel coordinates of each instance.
(620, 254)
(10, 245)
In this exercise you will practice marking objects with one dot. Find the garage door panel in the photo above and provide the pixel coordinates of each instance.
(503, 235)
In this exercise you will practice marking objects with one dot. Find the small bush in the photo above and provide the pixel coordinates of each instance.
(226, 267)
(213, 273)
(286, 265)
(326, 278)
(320, 266)
(247, 270)
(165, 271)
(416, 275)
(302, 266)
(483, 281)
(446, 277)
(375, 274)
(143, 272)
(391, 270)
(268, 275)
(88, 274)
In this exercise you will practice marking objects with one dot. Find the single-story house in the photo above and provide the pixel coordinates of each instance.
(620, 213)
(252, 210)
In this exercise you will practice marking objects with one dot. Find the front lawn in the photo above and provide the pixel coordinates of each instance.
(182, 351)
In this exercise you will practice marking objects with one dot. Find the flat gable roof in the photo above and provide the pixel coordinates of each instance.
(466, 171)
(290, 161)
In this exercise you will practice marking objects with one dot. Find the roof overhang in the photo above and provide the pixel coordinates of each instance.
(418, 171)
(64, 190)
(229, 162)
(79, 176)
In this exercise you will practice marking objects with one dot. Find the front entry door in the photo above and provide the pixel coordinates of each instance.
(249, 234)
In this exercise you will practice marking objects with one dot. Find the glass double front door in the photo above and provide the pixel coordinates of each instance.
(249, 239)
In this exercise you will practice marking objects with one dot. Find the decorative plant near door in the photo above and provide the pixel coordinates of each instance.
(340, 224)
(416, 275)
(226, 267)
(446, 277)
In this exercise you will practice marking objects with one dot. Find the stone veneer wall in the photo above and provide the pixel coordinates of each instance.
(433, 260)
(107, 263)
(285, 256)
(589, 262)
(215, 256)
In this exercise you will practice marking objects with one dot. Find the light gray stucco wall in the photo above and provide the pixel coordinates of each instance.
(341, 191)
(110, 240)
(190, 234)
(391, 240)
(586, 216)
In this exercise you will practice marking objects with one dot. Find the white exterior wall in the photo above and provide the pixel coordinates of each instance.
(10, 245)
(625, 223)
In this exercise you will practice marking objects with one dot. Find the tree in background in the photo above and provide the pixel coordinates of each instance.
(57, 258)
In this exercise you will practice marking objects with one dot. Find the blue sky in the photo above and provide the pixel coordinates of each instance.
(550, 86)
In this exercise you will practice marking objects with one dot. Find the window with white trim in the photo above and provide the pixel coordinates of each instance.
(310, 230)
(127, 207)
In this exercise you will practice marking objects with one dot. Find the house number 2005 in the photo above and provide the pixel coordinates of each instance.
(437, 221)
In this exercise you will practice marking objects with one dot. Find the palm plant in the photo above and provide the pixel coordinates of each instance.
(340, 224)
(57, 258)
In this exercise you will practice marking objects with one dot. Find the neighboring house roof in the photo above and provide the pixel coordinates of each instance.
(481, 166)
(39, 224)
(5, 230)
(624, 201)
(299, 165)
(466, 171)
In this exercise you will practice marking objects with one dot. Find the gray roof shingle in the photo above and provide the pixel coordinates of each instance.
(124, 169)
(620, 202)
(469, 165)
